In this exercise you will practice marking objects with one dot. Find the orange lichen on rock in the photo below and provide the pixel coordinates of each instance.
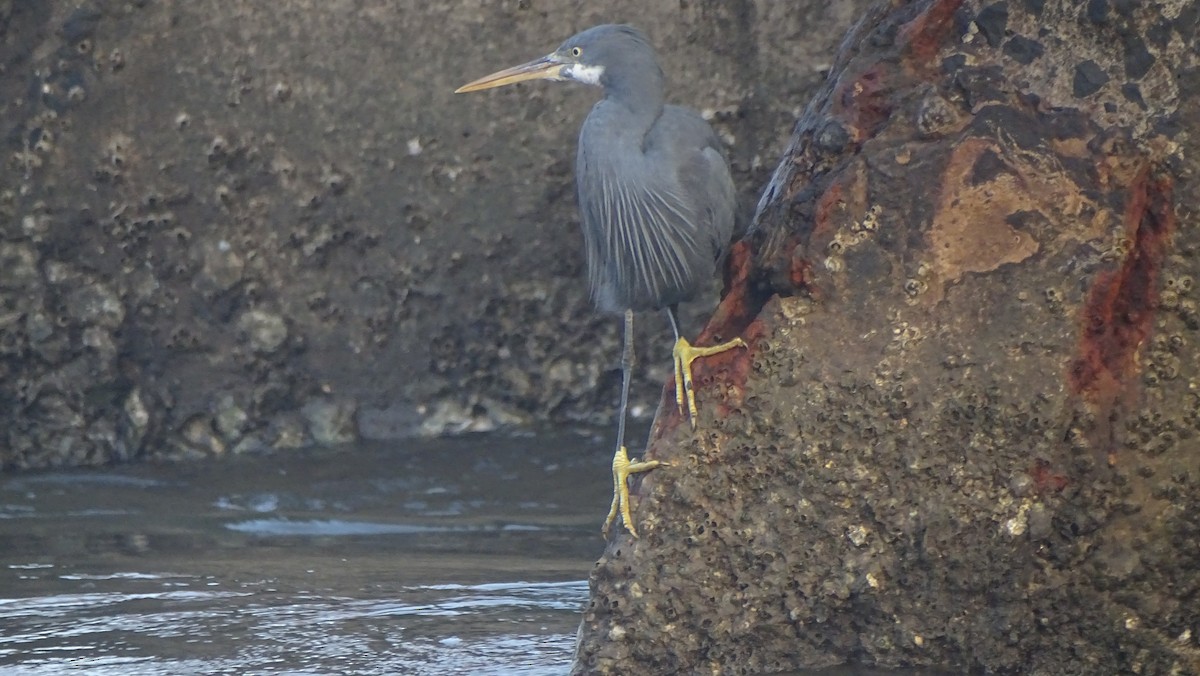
(984, 184)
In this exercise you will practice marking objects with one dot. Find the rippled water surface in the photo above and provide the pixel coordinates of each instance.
(466, 556)
(462, 556)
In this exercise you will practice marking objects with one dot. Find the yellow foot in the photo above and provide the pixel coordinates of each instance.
(684, 355)
(621, 469)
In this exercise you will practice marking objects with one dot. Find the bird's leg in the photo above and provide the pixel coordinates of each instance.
(684, 354)
(621, 466)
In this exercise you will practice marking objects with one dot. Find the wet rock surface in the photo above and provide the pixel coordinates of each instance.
(965, 433)
(232, 226)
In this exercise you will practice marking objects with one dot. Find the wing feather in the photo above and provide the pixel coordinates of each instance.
(643, 247)
(654, 224)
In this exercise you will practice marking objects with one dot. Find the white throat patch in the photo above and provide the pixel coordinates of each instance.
(585, 74)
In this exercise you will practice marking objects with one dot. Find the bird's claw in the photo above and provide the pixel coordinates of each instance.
(622, 467)
(685, 390)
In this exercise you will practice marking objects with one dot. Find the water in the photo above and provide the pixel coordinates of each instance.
(442, 557)
(464, 556)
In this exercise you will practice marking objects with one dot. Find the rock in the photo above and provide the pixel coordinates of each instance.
(263, 211)
(18, 266)
(393, 422)
(96, 304)
(265, 331)
(231, 419)
(945, 446)
(331, 422)
(137, 419)
(199, 433)
(250, 444)
(101, 340)
(288, 431)
(221, 266)
(38, 327)
(451, 417)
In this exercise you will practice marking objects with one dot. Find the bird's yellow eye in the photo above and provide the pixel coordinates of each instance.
(576, 52)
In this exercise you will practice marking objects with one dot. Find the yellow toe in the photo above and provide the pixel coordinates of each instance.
(622, 467)
(684, 354)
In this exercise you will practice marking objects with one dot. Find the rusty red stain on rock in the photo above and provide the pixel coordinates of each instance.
(734, 365)
(1046, 479)
(740, 304)
(737, 265)
(799, 270)
(926, 33)
(864, 103)
(1121, 304)
(824, 225)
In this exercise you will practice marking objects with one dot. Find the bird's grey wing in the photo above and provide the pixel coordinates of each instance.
(655, 222)
(704, 175)
(712, 178)
(643, 248)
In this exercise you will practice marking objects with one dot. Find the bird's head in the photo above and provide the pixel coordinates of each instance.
(600, 56)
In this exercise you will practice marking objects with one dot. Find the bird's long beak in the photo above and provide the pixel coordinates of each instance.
(544, 68)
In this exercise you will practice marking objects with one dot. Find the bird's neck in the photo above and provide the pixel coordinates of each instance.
(642, 95)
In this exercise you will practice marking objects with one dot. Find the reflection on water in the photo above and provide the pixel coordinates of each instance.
(462, 556)
(517, 628)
